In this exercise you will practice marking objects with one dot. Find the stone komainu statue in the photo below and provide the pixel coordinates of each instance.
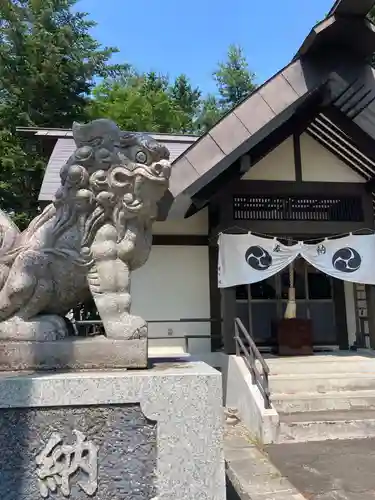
(88, 240)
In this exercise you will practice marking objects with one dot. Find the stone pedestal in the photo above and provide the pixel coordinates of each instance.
(73, 353)
(139, 435)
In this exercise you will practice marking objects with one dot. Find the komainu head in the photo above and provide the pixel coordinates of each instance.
(112, 176)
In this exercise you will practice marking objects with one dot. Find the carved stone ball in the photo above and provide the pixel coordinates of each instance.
(128, 198)
(84, 198)
(98, 180)
(83, 153)
(76, 175)
(141, 157)
(85, 252)
(106, 199)
(103, 155)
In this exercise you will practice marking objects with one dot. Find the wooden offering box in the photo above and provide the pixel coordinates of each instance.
(294, 337)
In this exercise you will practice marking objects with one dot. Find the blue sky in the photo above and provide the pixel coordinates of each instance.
(171, 36)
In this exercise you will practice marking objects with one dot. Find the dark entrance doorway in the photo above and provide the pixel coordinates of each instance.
(318, 296)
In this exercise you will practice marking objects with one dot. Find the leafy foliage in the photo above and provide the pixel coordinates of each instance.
(20, 178)
(147, 102)
(210, 113)
(150, 102)
(233, 77)
(187, 100)
(48, 64)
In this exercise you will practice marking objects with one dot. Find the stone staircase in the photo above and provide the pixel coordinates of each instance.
(327, 396)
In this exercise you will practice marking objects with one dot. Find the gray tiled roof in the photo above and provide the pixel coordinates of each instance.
(65, 146)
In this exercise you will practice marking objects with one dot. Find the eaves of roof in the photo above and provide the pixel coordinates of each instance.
(60, 133)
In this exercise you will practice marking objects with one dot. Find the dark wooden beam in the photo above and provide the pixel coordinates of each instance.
(229, 315)
(350, 34)
(370, 185)
(296, 124)
(364, 142)
(352, 7)
(368, 209)
(340, 316)
(292, 188)
(201, 199)
(291, 228)
(297, 156)
(370, 298)
(215, 293)
(370, 291)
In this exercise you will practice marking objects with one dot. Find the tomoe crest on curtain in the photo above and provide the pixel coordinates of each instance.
(246, 258)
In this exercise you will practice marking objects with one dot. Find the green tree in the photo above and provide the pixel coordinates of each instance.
(210, 113)
(147, 102)
(134, 105)
(153, 82)
(150, 102)
(187, 101)
(48, 62)
(233, 78)
(20, 179)
(234, 81)
(48, 65)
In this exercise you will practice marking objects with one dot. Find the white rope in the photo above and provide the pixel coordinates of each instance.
(291, 307)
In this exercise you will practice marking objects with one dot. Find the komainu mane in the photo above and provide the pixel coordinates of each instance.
(97, 230)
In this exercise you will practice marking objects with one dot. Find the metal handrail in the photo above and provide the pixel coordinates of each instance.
(251, 355)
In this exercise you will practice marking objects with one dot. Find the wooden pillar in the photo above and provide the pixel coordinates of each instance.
(370, 298)
(215, 300)
(215, 295)
(340, 313)
(228, 305)
(370, 289)
(297, 156)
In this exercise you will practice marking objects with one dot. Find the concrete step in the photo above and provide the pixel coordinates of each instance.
(322, 426)
(311, 402)
(321, 364)
(250, 472)
(321, 383)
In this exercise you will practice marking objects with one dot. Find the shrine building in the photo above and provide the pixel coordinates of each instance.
(292, 164)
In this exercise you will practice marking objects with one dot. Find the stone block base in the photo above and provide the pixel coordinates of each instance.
(73, 354)
(146, 435)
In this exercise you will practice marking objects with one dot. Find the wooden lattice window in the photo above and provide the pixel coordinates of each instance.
(298, 208)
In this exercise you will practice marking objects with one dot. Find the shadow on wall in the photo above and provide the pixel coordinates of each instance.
(231, 492)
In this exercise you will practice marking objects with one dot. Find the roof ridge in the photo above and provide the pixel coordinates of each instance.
(358, 8)
(68, 130)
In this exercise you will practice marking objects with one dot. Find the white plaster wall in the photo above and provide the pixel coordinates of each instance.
(174, 285)
(196, 225)
(276, 166)
(350, 311)
(320, 165)
(240, 393)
